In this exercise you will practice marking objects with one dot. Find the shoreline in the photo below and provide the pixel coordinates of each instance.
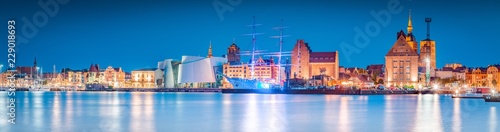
(262, 91)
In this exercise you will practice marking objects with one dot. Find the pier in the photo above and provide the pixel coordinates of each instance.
(461, 94)
(336, 91)
(212, 90)
(468, 96)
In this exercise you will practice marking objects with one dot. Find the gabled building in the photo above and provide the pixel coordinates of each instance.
(405, 64)
(477, 77)
(95, 75)
(73, 78)
(114, 77)
(493, 76)
(401, 63)
(306, 63)
(128, 80)
(376, 72)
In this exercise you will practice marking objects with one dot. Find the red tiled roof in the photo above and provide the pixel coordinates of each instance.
(363, 78)
(350, 69)
(401, 48)
(25, 69)
(375, 67)
(319, 57)
(93, 68)
(447, 69)
(400, 34)
(343, 76)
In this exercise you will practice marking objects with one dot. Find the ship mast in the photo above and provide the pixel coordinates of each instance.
(254, 38)
(280, 37)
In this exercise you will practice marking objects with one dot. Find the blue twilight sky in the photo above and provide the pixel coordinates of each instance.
(135, 34)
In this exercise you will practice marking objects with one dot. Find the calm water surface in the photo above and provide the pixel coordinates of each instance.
(141, 112)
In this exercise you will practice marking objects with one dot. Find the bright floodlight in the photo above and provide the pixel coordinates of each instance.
(436, 86)
(456, 91)
(264, 85)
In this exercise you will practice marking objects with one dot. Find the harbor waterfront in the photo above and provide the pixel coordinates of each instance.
(250, 66)
(265, 91)
(162, 111)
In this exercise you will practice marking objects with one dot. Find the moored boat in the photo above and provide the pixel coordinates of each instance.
(491, 98)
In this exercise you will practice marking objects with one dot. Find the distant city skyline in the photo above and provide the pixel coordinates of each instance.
(135, 34)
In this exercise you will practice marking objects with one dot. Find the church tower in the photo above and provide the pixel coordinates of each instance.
(428, 48)
(34, 63)
(233, 54)
(210, 51)
(410, 38)
(410, 25)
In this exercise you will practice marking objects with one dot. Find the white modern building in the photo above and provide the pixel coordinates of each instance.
(192, 72)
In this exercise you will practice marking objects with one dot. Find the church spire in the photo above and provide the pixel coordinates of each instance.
(410, 26)
(34, 63)
(210, 50)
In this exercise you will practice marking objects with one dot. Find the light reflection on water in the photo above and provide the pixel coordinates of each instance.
(251, 116)
(428, 114)
(493, 119)
(140, 112)
(344, 121)
(388, 118)
(457, 121)
(37, 109)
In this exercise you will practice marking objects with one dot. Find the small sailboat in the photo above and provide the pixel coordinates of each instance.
(38, 84)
